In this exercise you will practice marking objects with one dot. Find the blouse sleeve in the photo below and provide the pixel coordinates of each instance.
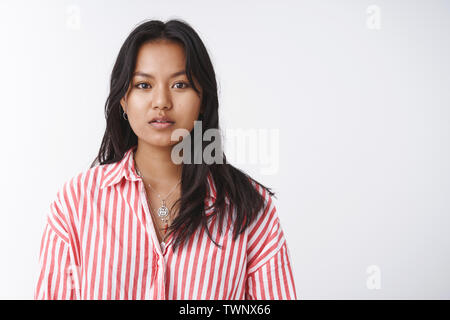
(269, 266)
(273, 280)
(57, 273)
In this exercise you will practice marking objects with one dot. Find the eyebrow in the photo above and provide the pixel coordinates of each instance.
(147, 75)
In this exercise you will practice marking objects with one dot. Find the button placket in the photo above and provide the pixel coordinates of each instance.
(157, 264)
(155, 267)
(151, 230)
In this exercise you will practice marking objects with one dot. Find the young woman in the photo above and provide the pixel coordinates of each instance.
(140, 225)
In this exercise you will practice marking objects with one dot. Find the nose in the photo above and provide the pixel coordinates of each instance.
(161, 98)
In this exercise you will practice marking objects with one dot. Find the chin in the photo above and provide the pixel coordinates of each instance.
(161, 143)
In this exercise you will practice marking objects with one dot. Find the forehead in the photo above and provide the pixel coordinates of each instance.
(161, 57)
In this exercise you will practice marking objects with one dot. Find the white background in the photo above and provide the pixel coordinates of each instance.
(362, 113)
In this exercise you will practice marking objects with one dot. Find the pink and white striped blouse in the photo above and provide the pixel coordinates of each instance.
(99, 242)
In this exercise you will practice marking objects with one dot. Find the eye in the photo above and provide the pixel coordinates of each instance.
(186, 85)
(137, 86)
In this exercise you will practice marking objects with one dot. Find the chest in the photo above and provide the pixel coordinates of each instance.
(162, 212)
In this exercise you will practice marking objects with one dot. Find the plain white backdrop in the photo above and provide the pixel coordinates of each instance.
(358, 92)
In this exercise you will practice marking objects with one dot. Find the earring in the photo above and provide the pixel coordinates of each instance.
(124, 115)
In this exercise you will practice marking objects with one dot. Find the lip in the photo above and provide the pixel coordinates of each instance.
(163, 125)
(168, 122)
(162, 118)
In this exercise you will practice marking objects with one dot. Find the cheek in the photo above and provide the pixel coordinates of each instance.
(186, 122)
(138, 128)
(188, 114)
(138, 99)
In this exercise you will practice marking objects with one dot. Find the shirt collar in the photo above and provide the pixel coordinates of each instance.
(125, 169)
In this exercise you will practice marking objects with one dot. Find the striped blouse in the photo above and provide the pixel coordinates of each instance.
(99, 242)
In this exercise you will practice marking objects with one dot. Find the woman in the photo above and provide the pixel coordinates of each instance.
(140, 225)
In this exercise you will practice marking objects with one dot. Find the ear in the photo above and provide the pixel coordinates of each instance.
(123, 104)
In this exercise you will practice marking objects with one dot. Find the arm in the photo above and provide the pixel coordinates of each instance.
(269, 267)
(273, 280)
(57, 273)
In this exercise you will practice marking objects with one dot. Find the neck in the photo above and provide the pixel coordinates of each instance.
(156, 166)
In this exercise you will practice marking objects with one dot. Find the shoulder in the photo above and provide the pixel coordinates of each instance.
(265, 235)
(266, 219)
(81, 183)
(64, 206)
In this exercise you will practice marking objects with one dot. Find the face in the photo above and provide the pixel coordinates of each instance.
(158, 89)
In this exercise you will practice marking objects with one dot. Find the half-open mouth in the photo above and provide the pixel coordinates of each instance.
(161, 121)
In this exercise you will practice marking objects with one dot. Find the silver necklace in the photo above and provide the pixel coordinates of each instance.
(163, 211)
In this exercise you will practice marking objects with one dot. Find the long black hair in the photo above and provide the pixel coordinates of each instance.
(119, 137)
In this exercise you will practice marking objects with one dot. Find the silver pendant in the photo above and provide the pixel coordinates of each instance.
(163, 212)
